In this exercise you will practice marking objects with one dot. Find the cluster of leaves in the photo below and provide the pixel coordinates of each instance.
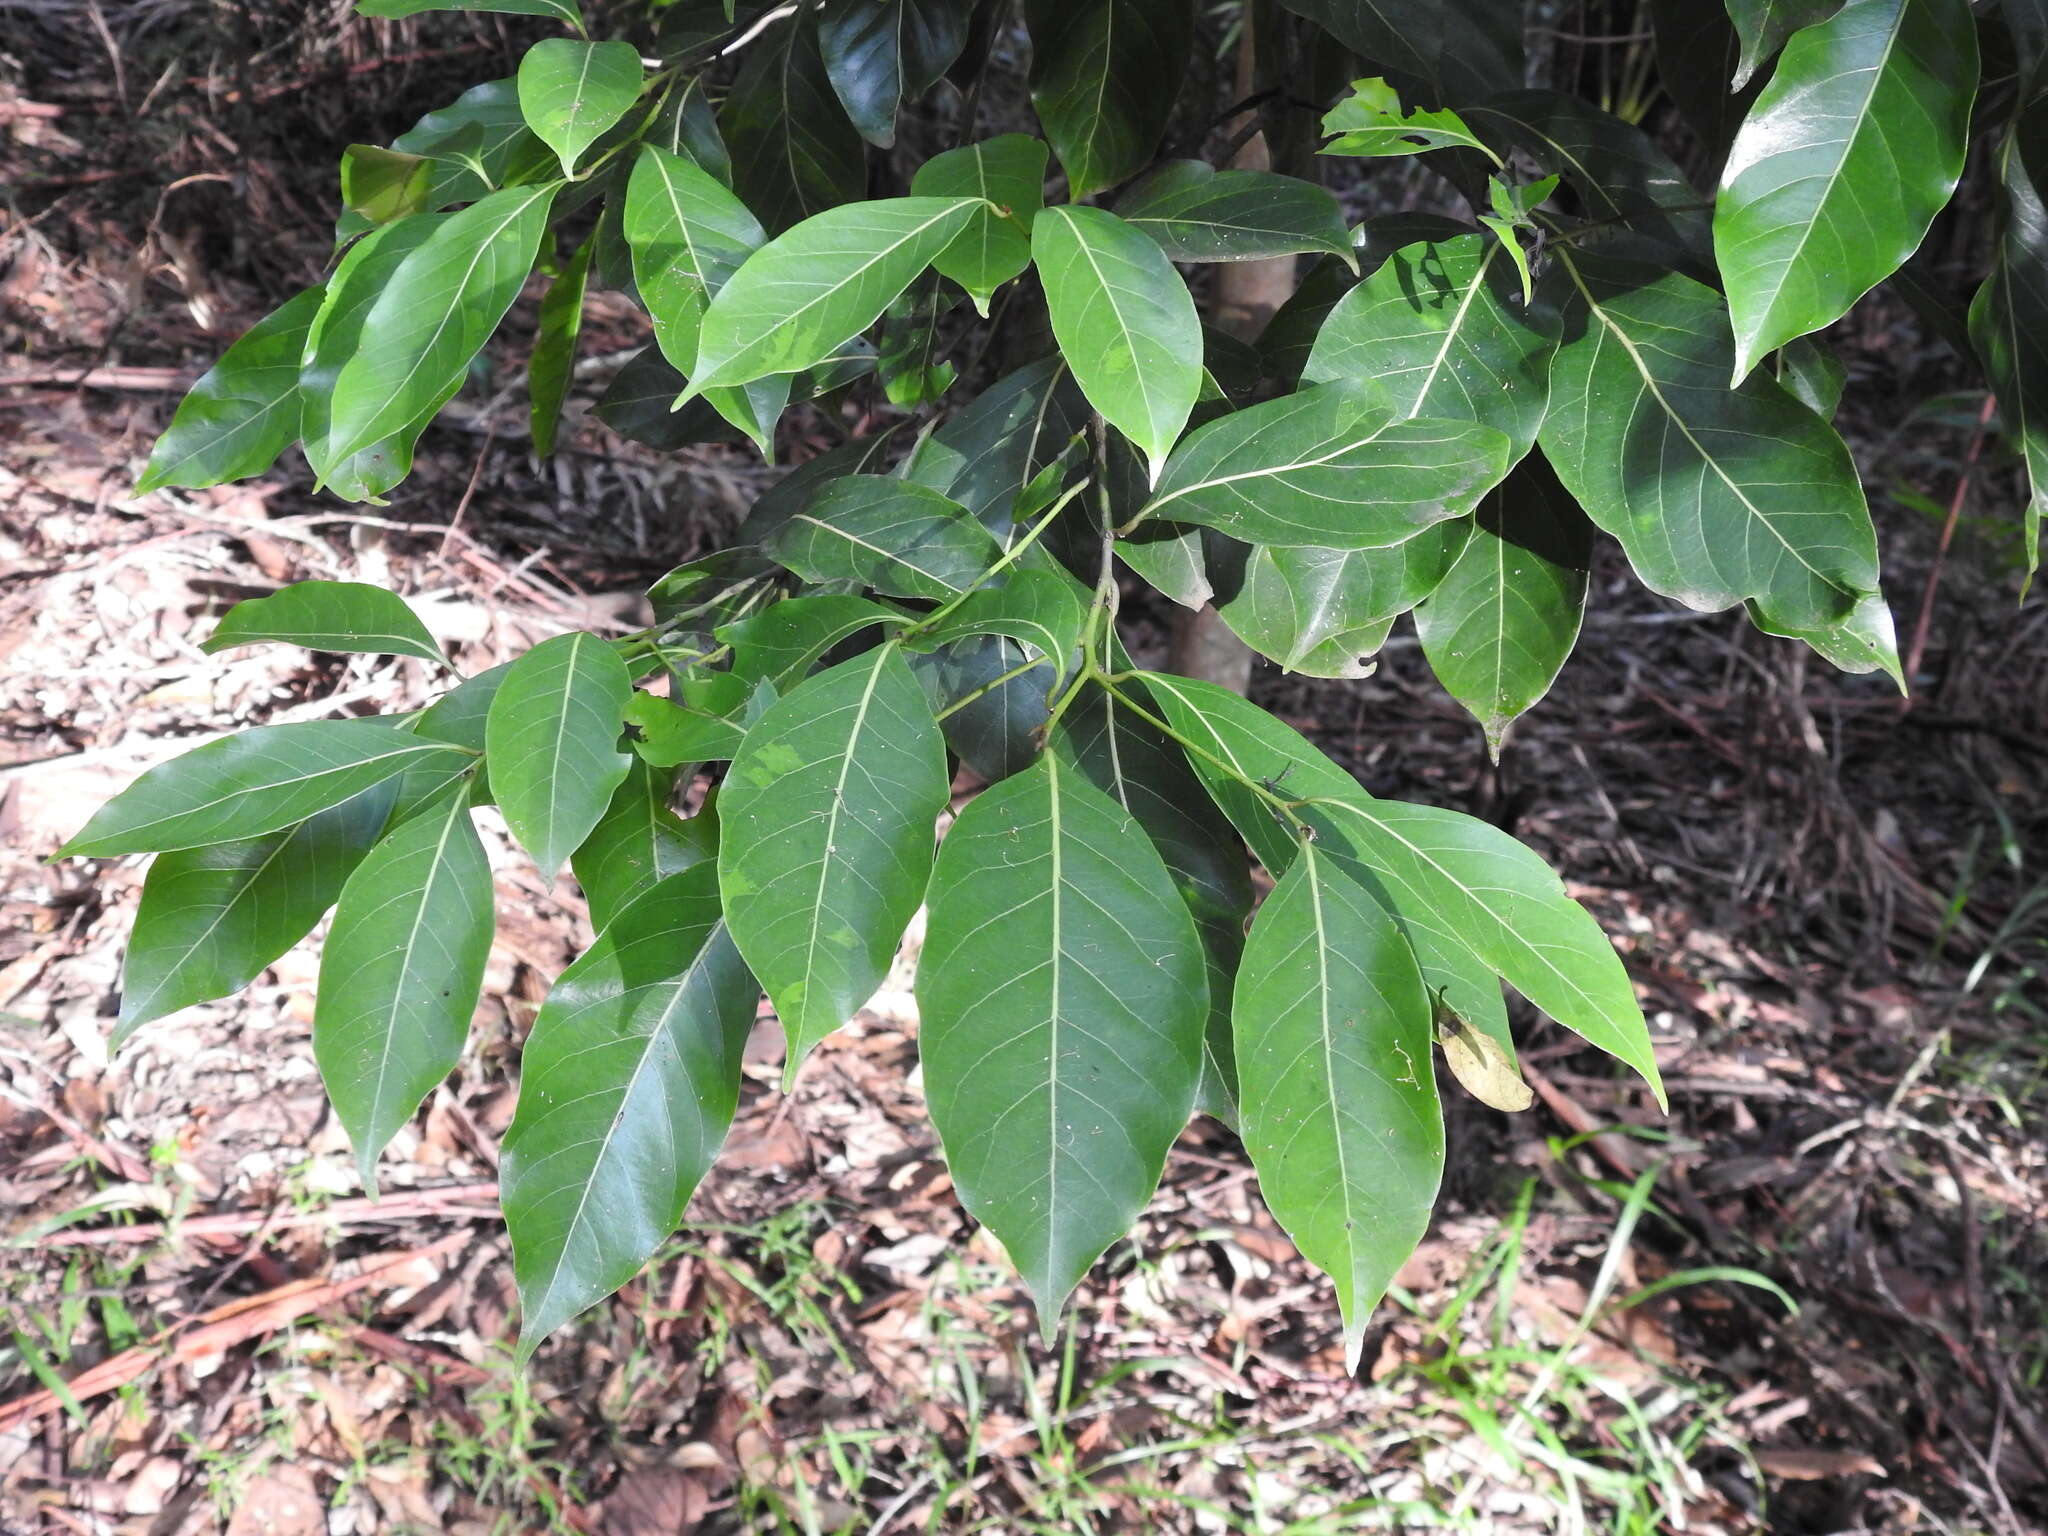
(1436, 424)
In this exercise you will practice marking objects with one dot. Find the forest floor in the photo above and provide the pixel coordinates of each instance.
(1810, 1299)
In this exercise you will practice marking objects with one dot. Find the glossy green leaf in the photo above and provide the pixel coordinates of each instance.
(244, 411)
(1716, 495)
(2009, 316)
(1329, 466)
(401, 972)
(332, 344)
(1326, 612)
(1697, 53)
(1337, 1084)
(1498, 628)
(794, 153)
(259, 781)
(350, 616)
(638, 841)
(1372, 123)
(805, 292)
(559, 10)
(1842, 164)
(379, 185)
(1007, 173)
(554, 348)
(827, 826)
(888, 534)
(688, 235)
(795, 491)
(1865, 640)
(1441, 327)
(1006, 436)
(570, 92)
(1062, 998)
(627, 1087)
(1198, 213)
(1035, 608)
(212, 918)
(780, 645)
(1104, 76)
(999, 731)
(881, 53)
(1125, 322)
(687, 126)
(433, 315)
(552, 744)
(1763, 26)
(1145, 773)
(1465, 50)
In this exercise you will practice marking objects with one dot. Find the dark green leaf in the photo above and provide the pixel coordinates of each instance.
(1007, 171)
(1006, 437)
(1763, 26)
(1036, 608)
(259, 781)
(1329, 466)
(1197, 213)
(804, 293)
(350, 616)
(2009, 316)
(638, 841)
(478, 143)
(1104, 76)
(638, 404)
(882, 53)
(793, 151)
(1062, 998)
(1464, 49)
(551, 741)
(887, 534)
(998, 732)
(1813, 376)
(687, 126)
(827, 826)
(244, 411)
(1717, 495)
(1125, 322)
(1337, 1083)
(570, 92)
(1842, 164)
(780, 646)
(212, 918)
(1697, 51)
(795, 490)
(1499, 627)
(627, 1087)
(907, 353)
(401, 972)
(433, 315)
(554, 348)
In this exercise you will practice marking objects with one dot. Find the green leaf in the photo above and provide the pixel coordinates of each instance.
(1499, 627)
(1864, 640)
(1370, 123)
(1812, 375)
(1143, 771)
(1716, 495)
(1442, 329)
(998, 732)
(1329, 466)
(332, 344)
(888, 534)
(571, 92)
(476, 144)
(554, 348)
(1198, 213)
(244, 411)
(379, 185)
(1104, 77)
(793, 151)
(1008, 174)
(695, 729)
(212, 918)
(687, 126)
(350, 616)
(688, 235)
(803, 294)
(906, 352)
(560, 10)
(1337, 1082)
(1325, 612)
(627, 1087)
(433, 315)
(638, 405)
(827, 827)
(1006, 437)
(795, 490)
(552, 744)
(401, 972)
(1697, 52)
(1125, 323)
(1842, 164)
(881, 53)
(780, 645)
(259, 781)
(1763, 26)
(1036, 608)
(2009, 316)
(1062, 998)
(638, 841)
(1465, 50)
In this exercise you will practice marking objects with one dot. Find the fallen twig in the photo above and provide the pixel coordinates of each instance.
(477, 1201)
